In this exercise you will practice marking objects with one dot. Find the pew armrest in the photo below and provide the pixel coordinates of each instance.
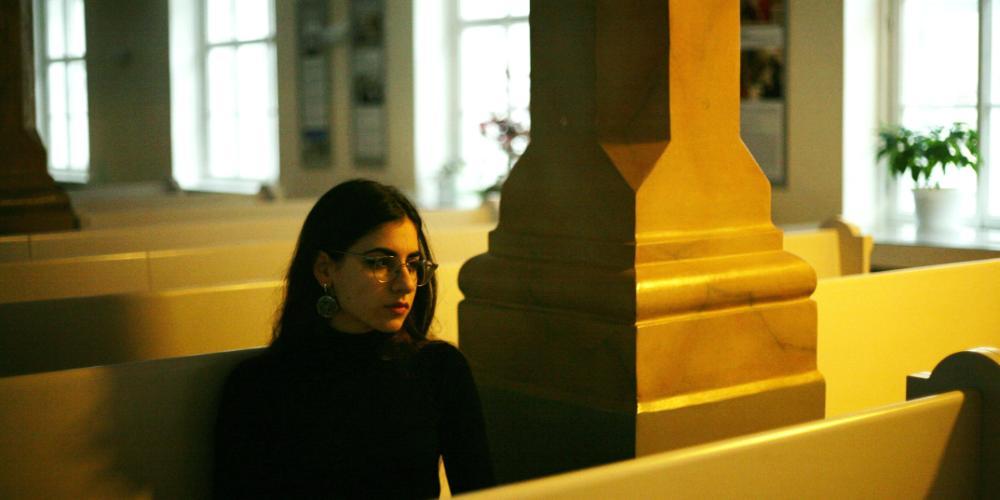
(855, 247)
(977, 371)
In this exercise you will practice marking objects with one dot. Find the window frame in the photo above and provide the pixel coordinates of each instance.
(194, 133)
(43, 62)
(893, 114)
(456, 25)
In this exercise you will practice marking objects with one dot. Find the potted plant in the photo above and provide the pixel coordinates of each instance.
(908, 152)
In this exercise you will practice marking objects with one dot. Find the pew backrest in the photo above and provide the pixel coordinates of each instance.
(893, 452)
(160, 270)
(874, 329)
(944, 442)
(162, 237)
(87, 331)
(75, 332)
(190, 231)
(144, 429)
(135, 430)
(835, 248)
(151, 271)
(155, 270)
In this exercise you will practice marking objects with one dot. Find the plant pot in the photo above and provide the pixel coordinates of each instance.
(938, 209)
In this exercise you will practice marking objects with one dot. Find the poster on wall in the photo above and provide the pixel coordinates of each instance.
(314, 85)
(368, 114)
(762, 85)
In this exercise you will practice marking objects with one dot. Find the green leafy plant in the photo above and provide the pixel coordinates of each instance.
(918, 154)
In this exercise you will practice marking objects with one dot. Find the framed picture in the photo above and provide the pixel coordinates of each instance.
(368, 83)
(763, 108)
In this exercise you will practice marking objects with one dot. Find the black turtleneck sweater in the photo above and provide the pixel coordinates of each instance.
(336, 417)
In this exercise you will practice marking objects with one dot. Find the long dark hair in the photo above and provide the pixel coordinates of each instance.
(342, 216)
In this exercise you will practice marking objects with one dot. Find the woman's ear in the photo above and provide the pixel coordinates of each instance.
(323, 268)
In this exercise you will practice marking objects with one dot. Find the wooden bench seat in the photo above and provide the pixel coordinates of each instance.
(871, 327)
(177, 233)
(160, 270)
(86, 331)
(941, 446)
(144, 429)
(134, 430)
(876, 328)
(210, 264)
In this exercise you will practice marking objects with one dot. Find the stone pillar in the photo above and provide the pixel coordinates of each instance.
(635, 297)
(30, 201)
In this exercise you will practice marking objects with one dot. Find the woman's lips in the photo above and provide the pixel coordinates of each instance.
(399, 307)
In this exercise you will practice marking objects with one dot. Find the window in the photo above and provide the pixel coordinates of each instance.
(61, 87)
(493, 52)
(223, 94)
(941, 78)
(472, 59)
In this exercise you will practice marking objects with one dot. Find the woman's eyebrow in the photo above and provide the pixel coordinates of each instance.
(387, 251)
(381, 250)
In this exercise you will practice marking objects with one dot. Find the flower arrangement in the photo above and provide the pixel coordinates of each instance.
(511, 136)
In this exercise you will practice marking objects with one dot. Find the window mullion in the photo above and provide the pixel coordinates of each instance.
(454, 79)
(985, 107)
(202, 136)
(894, 112)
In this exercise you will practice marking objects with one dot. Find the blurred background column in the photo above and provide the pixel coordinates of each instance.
(30, 200)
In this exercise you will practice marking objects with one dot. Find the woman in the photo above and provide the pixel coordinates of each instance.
(351, 399)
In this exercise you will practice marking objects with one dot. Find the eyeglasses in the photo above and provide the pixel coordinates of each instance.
(386, 268)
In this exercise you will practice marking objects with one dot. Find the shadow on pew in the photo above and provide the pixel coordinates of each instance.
(87, 331)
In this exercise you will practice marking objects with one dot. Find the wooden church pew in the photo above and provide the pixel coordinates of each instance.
(97, 321)
(828, 250)
(834, 248)
(940, 446)
(164, 316)
(876, 328)
(134, 430)
(86, 331)
(185, 209)
(111, 213)
(163, 237)
(176, 234)
(15, 248)
(871, 327)
(161, 270)
(144, 429)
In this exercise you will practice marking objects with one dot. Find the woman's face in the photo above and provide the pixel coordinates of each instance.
(366, 304)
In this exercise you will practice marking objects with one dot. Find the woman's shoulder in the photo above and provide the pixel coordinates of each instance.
(255, 370)
(444, 358)
(442, 351)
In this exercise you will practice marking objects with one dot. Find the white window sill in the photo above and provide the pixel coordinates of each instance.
(70, 176)
(232, 186)
(901, 244)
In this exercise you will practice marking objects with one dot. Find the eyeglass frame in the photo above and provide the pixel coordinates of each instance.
(430, 267)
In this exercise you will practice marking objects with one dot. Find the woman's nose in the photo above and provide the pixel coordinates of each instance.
(405, 279)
